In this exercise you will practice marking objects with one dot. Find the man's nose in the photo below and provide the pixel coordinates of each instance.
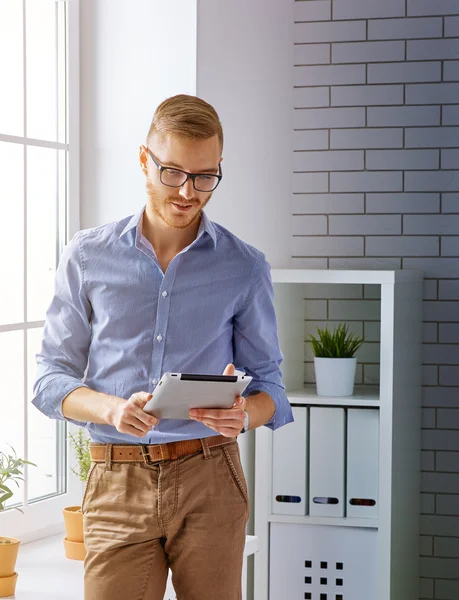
(187, 190)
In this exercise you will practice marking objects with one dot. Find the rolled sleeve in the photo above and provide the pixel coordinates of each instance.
(256, 345)
(62, 360)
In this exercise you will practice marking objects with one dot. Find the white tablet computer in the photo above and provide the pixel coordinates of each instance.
(177, 393)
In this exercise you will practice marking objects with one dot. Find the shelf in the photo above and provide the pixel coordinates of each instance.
(332, 521)
(344, 276)
(364, 395)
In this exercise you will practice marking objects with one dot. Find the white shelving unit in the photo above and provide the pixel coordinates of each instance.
(347, 558)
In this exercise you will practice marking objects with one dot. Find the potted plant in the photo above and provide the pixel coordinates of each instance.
(73, 517)
(334, 360)
(10, 470)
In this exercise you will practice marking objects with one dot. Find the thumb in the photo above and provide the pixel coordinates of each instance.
(239, 401)
(229, 369)
(141, 398)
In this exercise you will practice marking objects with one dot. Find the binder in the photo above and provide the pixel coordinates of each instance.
(362, 462)
(326, 460)
(289, 464)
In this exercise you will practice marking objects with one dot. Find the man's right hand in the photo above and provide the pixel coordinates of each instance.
(129, 416)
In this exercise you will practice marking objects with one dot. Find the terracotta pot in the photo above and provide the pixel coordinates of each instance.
(74, 541)
(8, 556)
(73, 520)
(74, 550)
(8, 585)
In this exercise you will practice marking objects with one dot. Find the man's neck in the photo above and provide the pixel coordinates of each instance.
(167, 240)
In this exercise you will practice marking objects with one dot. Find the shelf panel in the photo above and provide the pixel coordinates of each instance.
(338, 276)
(364, 395)
(332, 521)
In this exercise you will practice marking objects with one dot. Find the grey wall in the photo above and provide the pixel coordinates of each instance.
(244, 57)
(376, 185)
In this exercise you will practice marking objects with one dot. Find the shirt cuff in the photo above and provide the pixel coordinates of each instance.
(283, 413)
(49, 400)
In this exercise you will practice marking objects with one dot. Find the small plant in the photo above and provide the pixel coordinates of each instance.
(336, 344)
(10, 469)
(80, 444)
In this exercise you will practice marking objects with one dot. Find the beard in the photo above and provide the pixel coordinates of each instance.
(158, 205)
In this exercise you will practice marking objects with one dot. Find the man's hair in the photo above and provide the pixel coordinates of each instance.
(186, 117)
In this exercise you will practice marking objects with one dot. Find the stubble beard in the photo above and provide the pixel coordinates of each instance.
(155, 203)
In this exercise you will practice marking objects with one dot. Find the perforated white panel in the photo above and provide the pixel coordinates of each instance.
(309, 562)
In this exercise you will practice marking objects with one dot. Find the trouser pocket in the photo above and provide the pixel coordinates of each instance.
(233, 461)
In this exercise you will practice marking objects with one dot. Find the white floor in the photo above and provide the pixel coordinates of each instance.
(45, 573)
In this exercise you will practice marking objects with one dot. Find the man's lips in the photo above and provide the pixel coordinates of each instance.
(182, 207)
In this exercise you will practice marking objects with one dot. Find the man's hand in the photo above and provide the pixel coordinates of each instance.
(129, 416)
(226, 421)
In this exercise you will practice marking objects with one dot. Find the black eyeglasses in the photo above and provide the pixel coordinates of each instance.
(202, 182)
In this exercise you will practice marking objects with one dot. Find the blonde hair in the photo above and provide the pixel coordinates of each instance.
(186, 117)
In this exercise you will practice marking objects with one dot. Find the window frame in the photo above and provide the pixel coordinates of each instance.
(43, 517)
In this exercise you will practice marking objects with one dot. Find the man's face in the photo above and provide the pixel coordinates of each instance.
(179, 207)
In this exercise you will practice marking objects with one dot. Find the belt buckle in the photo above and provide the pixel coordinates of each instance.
(145, 455)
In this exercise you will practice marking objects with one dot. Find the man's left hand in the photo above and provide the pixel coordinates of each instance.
(226, 421)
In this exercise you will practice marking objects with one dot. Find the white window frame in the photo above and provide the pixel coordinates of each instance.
(44, 517)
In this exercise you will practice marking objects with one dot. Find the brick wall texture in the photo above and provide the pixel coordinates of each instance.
(376, 185)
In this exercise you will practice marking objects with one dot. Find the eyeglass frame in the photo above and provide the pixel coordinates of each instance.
(191, 176)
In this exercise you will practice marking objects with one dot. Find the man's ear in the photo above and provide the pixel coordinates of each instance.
(143, 157)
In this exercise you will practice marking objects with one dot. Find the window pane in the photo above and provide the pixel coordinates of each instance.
(43, 446)
(12, 398)
(12, 238)
(11, 68)
(41, 69)
(41, 229)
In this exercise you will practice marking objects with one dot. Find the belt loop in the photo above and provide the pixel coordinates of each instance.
(108, 457)
(206, 449)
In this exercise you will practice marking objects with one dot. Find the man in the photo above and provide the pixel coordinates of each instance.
(164, 290)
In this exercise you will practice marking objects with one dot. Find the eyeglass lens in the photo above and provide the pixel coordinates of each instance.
(202, 183)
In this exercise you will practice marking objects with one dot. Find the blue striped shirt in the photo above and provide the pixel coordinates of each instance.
(117, 322)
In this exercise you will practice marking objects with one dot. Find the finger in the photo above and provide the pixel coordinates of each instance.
(140, 399)
(125, 428)
(239, 401)
(137, 402)
(225, 413)
(223, 423)
(229, 369)
(137, 413)
(132, 421)
(144, 417)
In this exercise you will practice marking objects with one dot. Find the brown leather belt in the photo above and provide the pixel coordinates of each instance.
(153, 453)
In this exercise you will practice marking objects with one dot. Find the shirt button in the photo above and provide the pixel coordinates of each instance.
(164, 294)
(154, 381)
(159, 337)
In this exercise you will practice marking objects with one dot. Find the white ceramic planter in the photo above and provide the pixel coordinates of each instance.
(335, 376)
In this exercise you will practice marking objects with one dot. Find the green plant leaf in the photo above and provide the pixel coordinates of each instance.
(80, 445)
(336, 344)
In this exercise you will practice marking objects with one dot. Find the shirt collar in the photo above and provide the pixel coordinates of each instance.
(134, 221)
(206, 225)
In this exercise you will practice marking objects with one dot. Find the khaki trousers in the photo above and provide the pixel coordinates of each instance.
(188, 515)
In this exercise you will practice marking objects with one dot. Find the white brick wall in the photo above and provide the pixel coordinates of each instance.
(376, 185)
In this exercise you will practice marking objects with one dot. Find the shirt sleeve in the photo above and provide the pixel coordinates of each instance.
(63, 357)
(256, 346)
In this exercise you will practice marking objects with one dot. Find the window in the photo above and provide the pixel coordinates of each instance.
(38, 204)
